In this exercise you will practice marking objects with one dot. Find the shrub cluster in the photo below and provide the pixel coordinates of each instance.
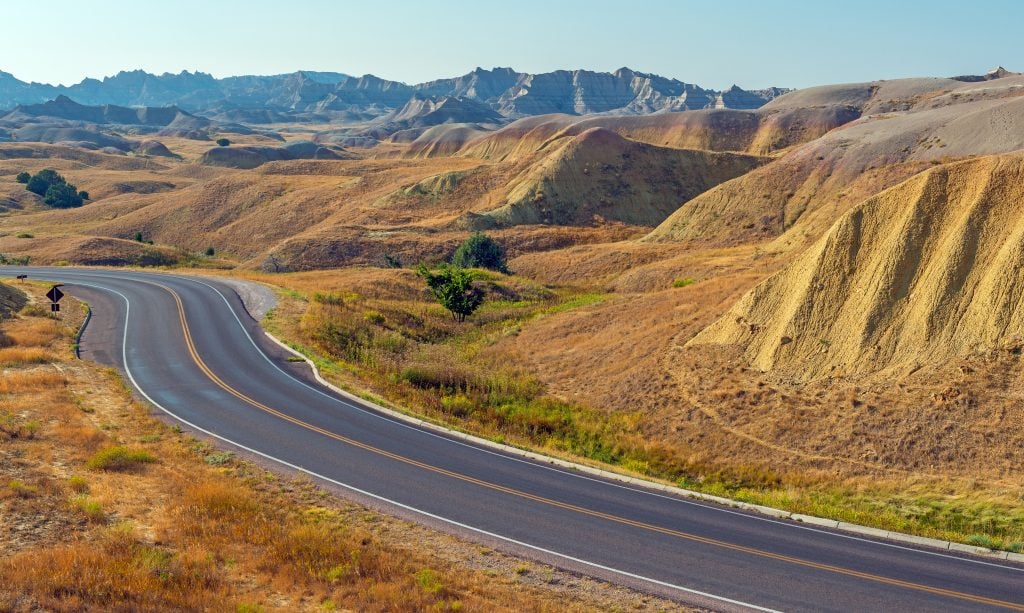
(54, 189)
(480, 251)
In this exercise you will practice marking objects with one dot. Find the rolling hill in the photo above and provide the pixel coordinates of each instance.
(597, 176)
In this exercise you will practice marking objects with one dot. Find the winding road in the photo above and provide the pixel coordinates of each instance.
(189, 347)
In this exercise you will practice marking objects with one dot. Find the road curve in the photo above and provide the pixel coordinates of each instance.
(188, 347)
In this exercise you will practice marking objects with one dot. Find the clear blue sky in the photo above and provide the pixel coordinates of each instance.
(715, 44)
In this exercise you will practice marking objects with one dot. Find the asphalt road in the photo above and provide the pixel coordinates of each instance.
(189, 348)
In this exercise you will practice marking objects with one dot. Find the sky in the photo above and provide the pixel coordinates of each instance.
(715, 44)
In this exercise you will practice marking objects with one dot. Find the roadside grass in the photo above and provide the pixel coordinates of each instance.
(119, 459)
(34, 331)
(31, 380)
(947, 510)
(21, 356)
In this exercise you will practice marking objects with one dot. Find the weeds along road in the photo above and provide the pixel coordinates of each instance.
(188, 347)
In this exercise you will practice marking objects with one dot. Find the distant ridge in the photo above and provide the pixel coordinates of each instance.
(509, 93)
(65, 108)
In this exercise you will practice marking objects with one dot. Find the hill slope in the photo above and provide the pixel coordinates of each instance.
(931, 268)
(599, 175)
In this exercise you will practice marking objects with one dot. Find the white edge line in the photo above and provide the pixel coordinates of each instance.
(124, 358)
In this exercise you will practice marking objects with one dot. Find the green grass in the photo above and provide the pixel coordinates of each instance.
(219, 458)
(575, 302)
(22, 490)
(119, 459)
(91, 509)
(927, 509)
(429, 581)
(78, 485)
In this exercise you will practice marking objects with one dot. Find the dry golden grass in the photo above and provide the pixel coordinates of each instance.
(30, 381)
(114, 572)
(21, 356)
(33, 332)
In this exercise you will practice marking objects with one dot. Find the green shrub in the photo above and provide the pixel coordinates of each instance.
(683, 282)
(62, 196)
(432, 376)
(344, 341)
(982, 540)
(11, 260)
(23, 177)
(480, 251)
(24, 235)
(31, 427)
(91, 509)
(219, 458)
(154, 257)
(328, 298)
(223, 142)
(40, 182)
(34, 310)
(22, 490)
(78, 485)
(458, 405)
(210, 252)
(429, 581)
(54, 189)
(119, 459)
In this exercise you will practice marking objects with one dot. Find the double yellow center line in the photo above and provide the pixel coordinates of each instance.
(564, 505)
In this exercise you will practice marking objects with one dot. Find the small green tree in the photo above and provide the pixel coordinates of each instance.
(84, 195)
(23, 177)
(453, 288)
(62, 196)
(223, 142)
(138, 237)
(210, 252)
(480, 251)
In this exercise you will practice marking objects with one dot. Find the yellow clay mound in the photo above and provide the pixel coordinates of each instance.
(930, 268)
